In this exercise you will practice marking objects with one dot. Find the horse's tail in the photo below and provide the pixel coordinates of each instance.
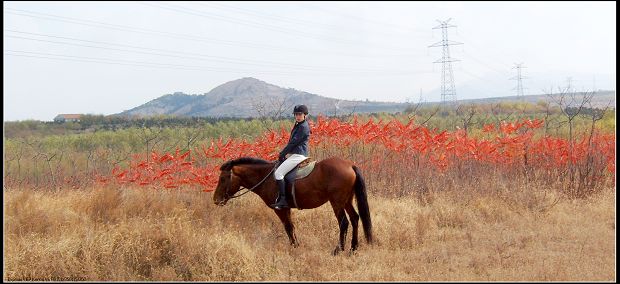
(362, 204)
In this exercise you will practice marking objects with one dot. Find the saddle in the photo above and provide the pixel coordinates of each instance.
(305, 168)
(300, 171)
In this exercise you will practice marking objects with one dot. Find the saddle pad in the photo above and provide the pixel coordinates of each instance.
(303, 171)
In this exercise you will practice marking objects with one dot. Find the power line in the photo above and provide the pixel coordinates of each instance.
(490, 93)
(192, 55)
(287, 31)
(366, 20)
(64, 57)
(108, 60)
(127, 28)
(488, 52)
(448, 91)
(195, 38)
(279, 17)
(482, 63)
(499, 56)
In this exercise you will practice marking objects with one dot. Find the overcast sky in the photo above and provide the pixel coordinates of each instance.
(107, 57)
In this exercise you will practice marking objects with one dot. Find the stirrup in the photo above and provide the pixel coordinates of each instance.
(280, 204)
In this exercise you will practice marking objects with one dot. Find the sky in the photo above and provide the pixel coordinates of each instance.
(108, 57)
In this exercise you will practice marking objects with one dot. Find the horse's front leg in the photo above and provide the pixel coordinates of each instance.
(285, 217)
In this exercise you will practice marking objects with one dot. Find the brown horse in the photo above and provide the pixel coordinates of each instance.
(333, 179)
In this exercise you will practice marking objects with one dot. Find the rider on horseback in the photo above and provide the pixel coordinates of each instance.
(295, 152)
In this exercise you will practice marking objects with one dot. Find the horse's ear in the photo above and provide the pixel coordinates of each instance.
(236, 170)
(226, 166)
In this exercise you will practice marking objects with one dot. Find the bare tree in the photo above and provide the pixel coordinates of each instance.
(280, 106)
(350, 114)
(47, 155)
(595, 115)
(150, 137)
(177, 138)
(191, 135)
(589, 169)
(548, 119)
(571, 107)
(260, 106)
(433, 112)
(521, 110)
(271, 107)
(90, 156)
(499, 115)
(412, 109)
(465, 115)
(13, 152)
(115, 157)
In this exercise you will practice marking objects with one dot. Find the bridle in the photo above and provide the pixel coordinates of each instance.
(226, 196)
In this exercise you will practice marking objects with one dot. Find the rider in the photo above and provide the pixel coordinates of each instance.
(295, 152)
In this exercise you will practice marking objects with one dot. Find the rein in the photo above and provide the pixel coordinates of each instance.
(254, 187)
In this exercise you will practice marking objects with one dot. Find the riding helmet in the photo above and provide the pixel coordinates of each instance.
(301, 108)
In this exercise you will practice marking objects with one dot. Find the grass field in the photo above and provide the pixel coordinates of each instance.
(469, 234)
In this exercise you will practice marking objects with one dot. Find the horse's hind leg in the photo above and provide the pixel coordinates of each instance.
(354, 221)
(343, 224)
(285, 217)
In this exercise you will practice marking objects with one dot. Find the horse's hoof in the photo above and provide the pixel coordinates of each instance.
(336, 251)
(352, 251)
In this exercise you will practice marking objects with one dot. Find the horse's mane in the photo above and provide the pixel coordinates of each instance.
(244, 160)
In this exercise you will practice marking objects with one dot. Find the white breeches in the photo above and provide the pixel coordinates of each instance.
(288, 165)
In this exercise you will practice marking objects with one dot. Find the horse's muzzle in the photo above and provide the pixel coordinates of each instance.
(220, 202)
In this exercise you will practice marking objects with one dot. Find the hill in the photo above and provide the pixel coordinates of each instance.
(600, 99)
(250, 97)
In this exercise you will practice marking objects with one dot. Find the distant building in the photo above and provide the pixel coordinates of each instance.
(67, 118)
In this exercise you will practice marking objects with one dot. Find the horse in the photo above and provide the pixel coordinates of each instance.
(333, 179)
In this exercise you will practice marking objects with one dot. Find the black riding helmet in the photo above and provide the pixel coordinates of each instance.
(301, 108)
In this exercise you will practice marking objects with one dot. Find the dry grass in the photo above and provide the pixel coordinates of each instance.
(466, 235)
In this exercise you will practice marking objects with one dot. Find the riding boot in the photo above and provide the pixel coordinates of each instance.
(281, 202)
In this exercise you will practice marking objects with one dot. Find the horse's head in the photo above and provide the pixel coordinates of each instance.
(231, 174)
(227, 186)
